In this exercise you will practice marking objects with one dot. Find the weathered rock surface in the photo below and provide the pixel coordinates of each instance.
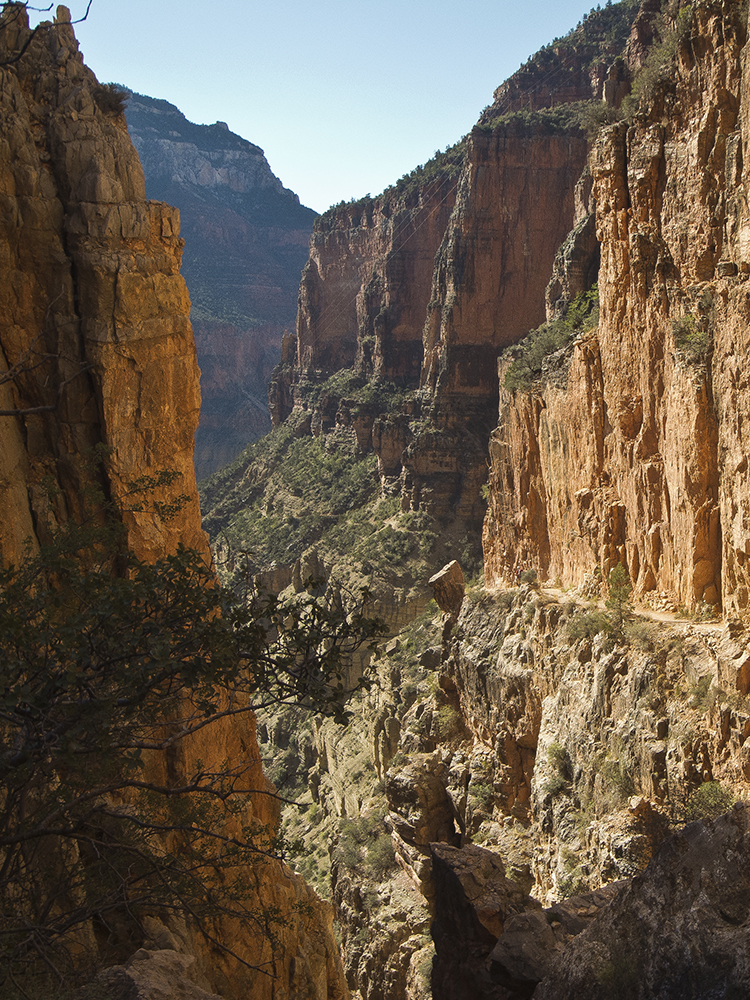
(448, 587)
(153, 975)
(246, 243)
(638, 458)
(679, 930)
(94, 313)
(473, 901)
(492, 939)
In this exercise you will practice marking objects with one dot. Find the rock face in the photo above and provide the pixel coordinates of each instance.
(514, 206)
(246, 243)
(637, 457)
(570, 748)
(424, 287)
(366, 285)
(94, 328)
(96, 348)
(692, 899)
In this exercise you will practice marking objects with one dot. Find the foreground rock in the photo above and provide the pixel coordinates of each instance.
(492, 940)
(679, 931)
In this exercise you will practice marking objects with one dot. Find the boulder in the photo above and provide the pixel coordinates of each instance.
(448, 588)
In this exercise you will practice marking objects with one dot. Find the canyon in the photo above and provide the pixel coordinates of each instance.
(541, 787)
(528, 753)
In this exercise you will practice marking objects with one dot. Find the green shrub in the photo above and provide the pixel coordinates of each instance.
(703, 694)
(557, 756)
(111, 99)
(618, 602)
(587, 625)
(691, 339)
(554, 785)
(640, 635)
(655, 71)
(447, 723)
(484, 793)
(530, 353)
(618, 778)
(595, 115)
(573, 883)
(381, 857)
(709, 801)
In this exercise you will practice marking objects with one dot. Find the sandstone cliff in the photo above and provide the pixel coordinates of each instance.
(96, 348)
(246, 243)
(637, 457)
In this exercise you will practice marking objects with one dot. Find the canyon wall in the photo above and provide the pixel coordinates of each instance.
(96, 348)
(425, 285)
(246, 239)
(637, 455)
(514, 206)
(366, 284)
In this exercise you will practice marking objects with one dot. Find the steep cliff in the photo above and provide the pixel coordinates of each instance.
(539, 754)
(246, 243)
(96, 349)
(426, 284)
(636, 457)
(95, 331)
(366, 284)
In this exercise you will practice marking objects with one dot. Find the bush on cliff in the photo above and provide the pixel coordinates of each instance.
(529, 355)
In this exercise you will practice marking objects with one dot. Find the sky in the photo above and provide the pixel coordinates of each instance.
(344, 96)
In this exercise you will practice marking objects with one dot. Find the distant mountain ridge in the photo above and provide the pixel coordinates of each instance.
(246, 241)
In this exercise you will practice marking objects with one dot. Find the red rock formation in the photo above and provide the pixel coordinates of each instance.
(640, 459)
(515, 205)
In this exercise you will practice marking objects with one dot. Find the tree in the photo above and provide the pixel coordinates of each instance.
(109, 667)
(618, 601)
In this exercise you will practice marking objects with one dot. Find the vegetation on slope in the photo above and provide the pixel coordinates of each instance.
(288, 496)
(530, 354)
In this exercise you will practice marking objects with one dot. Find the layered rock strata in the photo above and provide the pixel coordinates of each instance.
(96, 349)
(514, 206)
(425, 288)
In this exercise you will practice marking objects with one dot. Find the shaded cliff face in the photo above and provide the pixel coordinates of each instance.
(639, 458)
(96, 348)
(514, 206)
(95, 312)
(246, 243)
(366, 285)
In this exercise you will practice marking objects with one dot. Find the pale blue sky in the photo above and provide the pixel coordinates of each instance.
(344, 96)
